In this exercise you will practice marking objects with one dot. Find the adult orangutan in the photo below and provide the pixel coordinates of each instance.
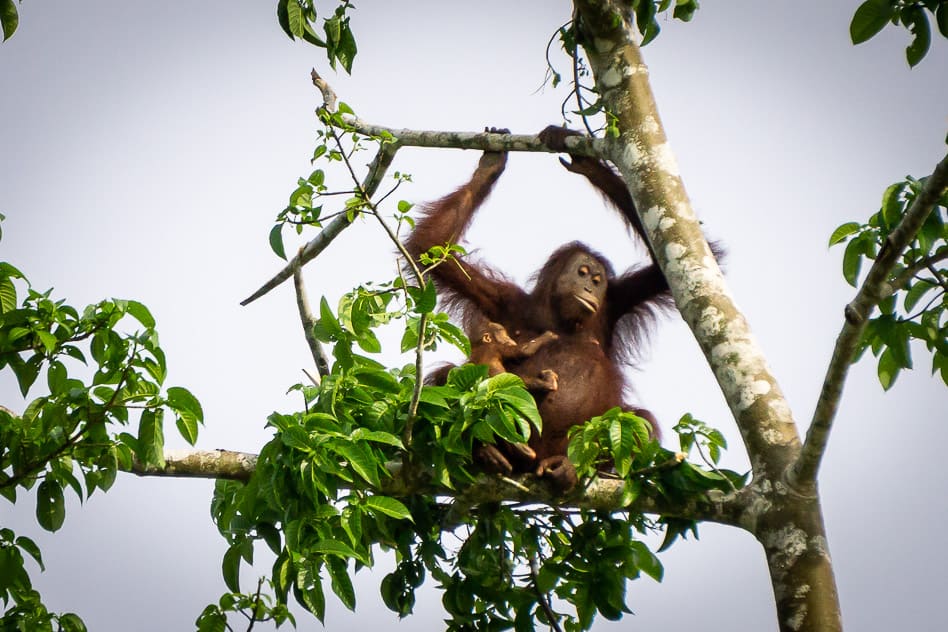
(597, 316)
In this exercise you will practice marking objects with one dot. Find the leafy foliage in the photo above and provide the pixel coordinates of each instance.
(872, 16)
(343, 476)
(298, 17)
(916, 308)
(73, 436)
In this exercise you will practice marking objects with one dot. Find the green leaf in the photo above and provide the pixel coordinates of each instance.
(852, 261)
(941, 18)
(328, 320)
(140, 313)
(915, 294)
(49, 340)
(276, 241)
(30, 547)
(842, 232)
(230, 567)
(389, 506)
(888, 368)
(7, 294)
(377, 436)
(8, 18)
(50, 505)
(646, 561)
(295, 20)
(184, 403)
(151, 438)
(341, 582)
(311, 596)
(70, 622)
(56, 377)
(870, 18)
(360, 460)
(338, 549)
(922, 30)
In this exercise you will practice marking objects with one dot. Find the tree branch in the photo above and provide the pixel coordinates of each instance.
(874, 288)
(223, 464)
(378, 167)
(308, 321)
(604, 494)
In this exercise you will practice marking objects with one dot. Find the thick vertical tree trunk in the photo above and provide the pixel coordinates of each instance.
(801, 571)
(786, 520)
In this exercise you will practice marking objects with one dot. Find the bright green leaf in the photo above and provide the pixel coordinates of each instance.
(140, 313)
(389, 506)
(842, 232)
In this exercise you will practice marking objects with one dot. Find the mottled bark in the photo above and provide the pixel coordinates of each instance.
(789, 525)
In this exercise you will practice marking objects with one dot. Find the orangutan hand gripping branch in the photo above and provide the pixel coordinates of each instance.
(597, 317)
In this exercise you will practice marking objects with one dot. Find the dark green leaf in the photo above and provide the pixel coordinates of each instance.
(70, 622)
(276, 241)
(941, 18)
(341, 582)
(283, 16)
(8, 18)
(30, 547)
(922, 30)
(230, 567)
(50, 505)
(869, 19)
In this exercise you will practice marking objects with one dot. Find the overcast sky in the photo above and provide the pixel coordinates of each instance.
(147, 148)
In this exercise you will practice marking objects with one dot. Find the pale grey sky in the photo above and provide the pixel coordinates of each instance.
(146, 152)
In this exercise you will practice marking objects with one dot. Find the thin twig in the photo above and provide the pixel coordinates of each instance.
(378, 167)
(804, 470)
(542, 597)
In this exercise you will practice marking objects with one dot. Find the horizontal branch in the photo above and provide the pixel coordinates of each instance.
(599, 493)
(873, 289)
(224, 464)
(487, 141)
(484, 141)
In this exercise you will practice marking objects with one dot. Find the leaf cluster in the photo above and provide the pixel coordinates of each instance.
(324, 495)
(298, 20)
(872, 16)
(73, 436)
(916, 307)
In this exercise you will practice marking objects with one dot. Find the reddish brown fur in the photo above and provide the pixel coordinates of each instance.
(586, 353)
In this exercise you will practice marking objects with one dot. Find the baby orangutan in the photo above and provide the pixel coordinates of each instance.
(495, 345)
